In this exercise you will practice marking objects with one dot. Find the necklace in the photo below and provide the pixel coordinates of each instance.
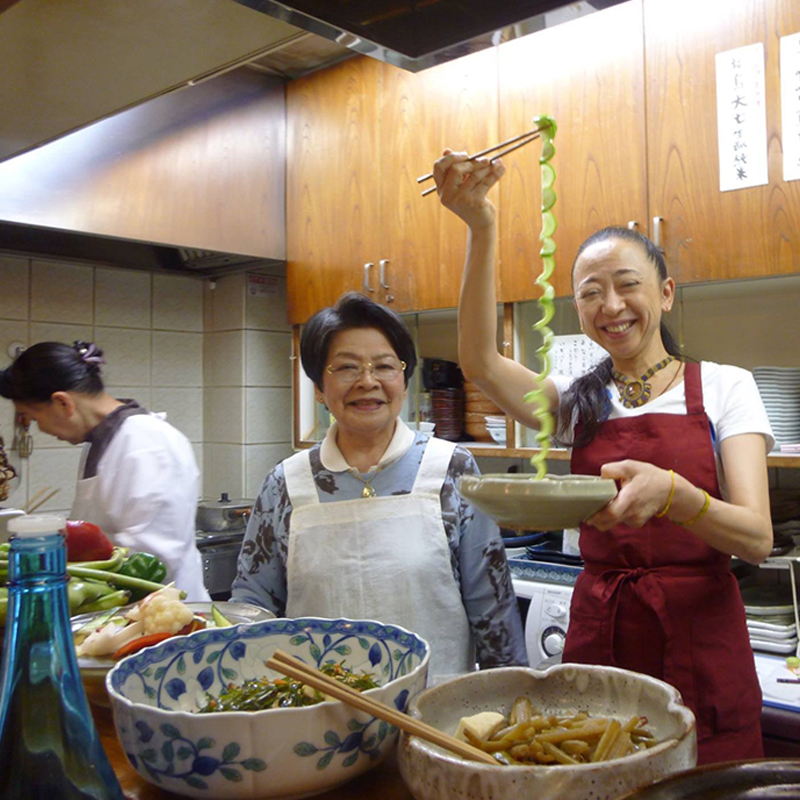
(367, 491)
(634, 393)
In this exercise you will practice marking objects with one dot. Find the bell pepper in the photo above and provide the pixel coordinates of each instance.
(86, 542)
(146, 567)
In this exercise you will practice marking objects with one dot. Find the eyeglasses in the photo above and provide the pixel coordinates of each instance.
(346, 372)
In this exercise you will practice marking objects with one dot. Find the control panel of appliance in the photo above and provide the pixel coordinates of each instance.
(546, 621)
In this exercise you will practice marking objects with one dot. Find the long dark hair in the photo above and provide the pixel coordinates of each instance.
(50, 367)
(353, 310)
(587, 397)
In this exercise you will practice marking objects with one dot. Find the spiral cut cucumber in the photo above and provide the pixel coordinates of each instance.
(547, 131)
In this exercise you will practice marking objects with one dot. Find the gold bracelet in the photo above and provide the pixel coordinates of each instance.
(671, 495)
(699, 514)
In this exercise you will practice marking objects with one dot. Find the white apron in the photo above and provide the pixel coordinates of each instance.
(382, 558)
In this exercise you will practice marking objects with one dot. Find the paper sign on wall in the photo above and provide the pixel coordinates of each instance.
(741, 118)
(790, 105)
(261, 285)
(575, 355)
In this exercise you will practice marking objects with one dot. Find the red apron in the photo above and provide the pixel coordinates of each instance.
(657, 599)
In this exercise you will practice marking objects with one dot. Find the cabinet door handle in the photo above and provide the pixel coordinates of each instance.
(657, 232)
(367, 267)
(382, 273)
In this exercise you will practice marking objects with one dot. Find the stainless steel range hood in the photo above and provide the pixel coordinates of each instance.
(417, 34)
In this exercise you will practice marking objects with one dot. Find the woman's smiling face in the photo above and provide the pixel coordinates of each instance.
(620, 299)
(367, 405)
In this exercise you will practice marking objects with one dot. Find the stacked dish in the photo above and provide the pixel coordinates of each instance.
(779, 388)
(447, 413)
(496, 426)
(476, 406)
(769, 609)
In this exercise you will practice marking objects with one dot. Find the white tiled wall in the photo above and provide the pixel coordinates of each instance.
(247, 379)
(150, 328)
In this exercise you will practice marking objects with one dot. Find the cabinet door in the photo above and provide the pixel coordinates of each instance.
(332, 189)
(588, 75)
(708, 234)
(451, 105)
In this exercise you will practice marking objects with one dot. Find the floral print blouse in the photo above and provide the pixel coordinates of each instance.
(477, 553)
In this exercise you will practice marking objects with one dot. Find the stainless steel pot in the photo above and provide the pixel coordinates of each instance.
(223, 515)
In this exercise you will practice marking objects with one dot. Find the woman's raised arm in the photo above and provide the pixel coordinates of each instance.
(462, 186)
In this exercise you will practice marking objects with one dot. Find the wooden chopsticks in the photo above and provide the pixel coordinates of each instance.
(40, 498)
(528, 137)
(294, 668)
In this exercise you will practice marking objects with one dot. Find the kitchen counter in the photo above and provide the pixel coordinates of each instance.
(382, 783)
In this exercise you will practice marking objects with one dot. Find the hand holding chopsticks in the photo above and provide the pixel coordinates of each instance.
(515, 141)
(294, 668)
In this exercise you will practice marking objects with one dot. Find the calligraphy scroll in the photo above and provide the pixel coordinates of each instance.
(741, 118)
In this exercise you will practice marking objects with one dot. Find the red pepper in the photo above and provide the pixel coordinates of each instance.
(135, 645)
(86, 542)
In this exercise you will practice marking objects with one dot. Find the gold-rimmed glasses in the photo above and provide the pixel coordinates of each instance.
(386, 370)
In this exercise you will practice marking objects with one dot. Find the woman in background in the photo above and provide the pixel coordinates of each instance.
(368, 524)
(138, 479)
(687, 444)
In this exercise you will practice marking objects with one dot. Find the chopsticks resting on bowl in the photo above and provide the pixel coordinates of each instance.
(528, 137)
(294, 668)
(38, 500)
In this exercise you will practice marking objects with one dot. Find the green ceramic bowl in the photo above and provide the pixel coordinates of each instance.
(520, 501)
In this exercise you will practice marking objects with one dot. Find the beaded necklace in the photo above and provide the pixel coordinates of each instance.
(636, 392)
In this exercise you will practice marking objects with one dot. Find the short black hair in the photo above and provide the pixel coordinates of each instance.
(353, 310)
(50, 367)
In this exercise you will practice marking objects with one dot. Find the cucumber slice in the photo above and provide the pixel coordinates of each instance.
(548, 199)
(548, 176)
(549, 224)
(220, 620)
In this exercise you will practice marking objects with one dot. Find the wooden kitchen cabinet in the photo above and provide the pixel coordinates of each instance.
(588, 75)
(452, 105)
(708, 234)
(332, 188)
(359, 134)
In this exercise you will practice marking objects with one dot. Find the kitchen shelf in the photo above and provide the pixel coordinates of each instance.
(783, 460)
(482, 449)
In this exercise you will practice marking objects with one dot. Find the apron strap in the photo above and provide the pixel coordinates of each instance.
(433, 469)
(300, 484)
(693, 387)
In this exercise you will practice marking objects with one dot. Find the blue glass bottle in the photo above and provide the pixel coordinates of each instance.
(49, 746)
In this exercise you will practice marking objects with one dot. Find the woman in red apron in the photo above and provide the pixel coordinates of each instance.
(687, 446)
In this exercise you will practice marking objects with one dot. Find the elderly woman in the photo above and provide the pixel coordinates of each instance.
(368, 523)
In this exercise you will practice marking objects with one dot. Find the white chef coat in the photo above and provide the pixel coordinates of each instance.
(144, 496)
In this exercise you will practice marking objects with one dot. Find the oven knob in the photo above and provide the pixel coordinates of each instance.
(553, 641)
(555, 610)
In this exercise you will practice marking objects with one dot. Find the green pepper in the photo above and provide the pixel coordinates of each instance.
(109, 601)
(145, 566)
(84, 595)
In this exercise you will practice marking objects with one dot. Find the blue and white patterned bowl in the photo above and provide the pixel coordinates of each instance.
(282, 752)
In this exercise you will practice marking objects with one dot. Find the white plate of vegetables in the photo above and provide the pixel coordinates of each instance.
(122, 630)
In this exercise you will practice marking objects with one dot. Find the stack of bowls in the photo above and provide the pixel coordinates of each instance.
(476, 407)
(447, 413)
(779, 388)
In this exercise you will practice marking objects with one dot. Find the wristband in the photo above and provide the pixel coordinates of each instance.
(699, 514)
(664, 510)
